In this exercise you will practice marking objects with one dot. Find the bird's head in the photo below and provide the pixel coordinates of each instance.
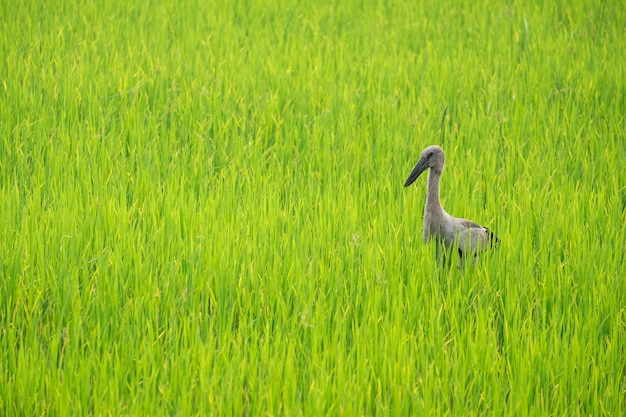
(433, 158)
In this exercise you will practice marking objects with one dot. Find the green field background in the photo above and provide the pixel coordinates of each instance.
(203, 212)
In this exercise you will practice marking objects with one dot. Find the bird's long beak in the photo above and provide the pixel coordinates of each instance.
(421, 166)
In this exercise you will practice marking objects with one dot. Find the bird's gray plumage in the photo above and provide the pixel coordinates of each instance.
(449, 232)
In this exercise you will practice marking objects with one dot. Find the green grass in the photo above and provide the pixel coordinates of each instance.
(203, 211)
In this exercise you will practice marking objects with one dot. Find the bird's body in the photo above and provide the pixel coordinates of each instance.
(447, 231)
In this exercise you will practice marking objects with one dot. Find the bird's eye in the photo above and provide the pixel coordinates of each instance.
(430, 154)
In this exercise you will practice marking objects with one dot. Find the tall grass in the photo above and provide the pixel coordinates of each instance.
(203, 211)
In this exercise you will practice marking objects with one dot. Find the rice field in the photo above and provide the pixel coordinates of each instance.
(203, 209)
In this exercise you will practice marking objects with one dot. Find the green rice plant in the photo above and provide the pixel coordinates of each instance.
(203, 211)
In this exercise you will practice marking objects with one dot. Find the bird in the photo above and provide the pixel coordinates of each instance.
(450, 233)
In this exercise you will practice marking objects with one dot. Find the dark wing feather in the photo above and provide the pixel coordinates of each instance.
(493, 239)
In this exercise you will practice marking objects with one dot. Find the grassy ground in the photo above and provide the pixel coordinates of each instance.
(203, 211)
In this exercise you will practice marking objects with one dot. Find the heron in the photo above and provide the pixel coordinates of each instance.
(448, 232)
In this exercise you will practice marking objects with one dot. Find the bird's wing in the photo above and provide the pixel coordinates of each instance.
(473, 237)
(473, 240)
(469, 224)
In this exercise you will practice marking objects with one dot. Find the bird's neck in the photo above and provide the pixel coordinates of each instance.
(433, 203)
